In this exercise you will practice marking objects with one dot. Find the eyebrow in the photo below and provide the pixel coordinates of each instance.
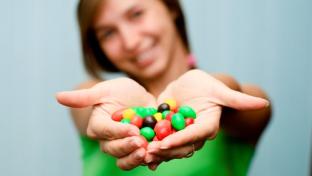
(124, 13)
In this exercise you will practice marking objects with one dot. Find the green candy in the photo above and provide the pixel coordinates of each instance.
(125, 121)
(148, 133)
(150, 111)
(165, 113)
(187, 112)
(141, 111)
(178, 121)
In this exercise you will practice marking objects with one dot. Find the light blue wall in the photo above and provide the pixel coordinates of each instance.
(267, 42)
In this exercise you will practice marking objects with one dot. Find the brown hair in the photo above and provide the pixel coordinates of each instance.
(95, 60)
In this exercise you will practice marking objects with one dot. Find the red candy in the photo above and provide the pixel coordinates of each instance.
(162, 129)
(189, 121)
(169, 115)
(137, 121)
(117, 116)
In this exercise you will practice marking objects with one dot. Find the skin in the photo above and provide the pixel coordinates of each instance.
(132, 34)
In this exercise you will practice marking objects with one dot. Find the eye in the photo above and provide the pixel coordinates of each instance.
(136, 14)
(106, 34)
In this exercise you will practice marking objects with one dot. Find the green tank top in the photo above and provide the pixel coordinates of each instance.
(223, 156)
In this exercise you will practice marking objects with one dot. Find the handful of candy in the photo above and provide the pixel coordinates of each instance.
(156, 124)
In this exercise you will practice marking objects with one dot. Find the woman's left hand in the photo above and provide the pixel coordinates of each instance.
(206, 95)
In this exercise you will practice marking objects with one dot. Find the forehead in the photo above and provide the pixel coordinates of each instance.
(110, 11)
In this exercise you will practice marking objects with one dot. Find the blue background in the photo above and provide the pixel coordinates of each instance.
(266, 42)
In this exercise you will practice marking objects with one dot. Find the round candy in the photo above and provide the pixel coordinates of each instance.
(158, 116)
(141, 111)
(148, 133)
(163, 107)
(150, 111)
(169, 116)
(177, 121)
(162, 133)
(128, 113)
(125, 121)
(165, 113)
(162, 129)
(149, 121)
(187, 111)
(172, 104)
(162, 124)
(137, 121)
(189, 121)
(117, 116)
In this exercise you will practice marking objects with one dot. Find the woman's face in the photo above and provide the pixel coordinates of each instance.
(138, 36)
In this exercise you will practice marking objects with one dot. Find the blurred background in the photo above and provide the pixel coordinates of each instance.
(266, 42)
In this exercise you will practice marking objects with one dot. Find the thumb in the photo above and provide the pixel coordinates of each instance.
(81, 98)
(240, 101)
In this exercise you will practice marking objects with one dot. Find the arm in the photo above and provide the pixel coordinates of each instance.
(247, 125)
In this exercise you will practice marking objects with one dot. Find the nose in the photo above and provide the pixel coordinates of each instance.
(130, 38)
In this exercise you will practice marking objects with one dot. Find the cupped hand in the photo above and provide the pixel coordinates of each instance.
(117, 139)
(206, 95)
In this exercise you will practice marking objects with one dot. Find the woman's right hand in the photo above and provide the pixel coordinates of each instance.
(122, 141)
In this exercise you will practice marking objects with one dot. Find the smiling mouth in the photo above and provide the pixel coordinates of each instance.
(146, 57)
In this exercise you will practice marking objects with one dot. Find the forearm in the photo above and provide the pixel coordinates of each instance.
(247, 125)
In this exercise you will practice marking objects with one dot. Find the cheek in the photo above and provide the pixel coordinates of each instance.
(112, 50)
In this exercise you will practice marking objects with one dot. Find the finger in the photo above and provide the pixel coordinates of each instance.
(205, 127)
(121, 147)
(101, 126)
(151, 158)
(153, 166)
(237, 100)
(177, 152)
(81, 98)
(133, 160)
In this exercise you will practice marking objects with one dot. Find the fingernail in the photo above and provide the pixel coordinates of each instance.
(154, 166)
(140, 154)
(137, 143)
(152, 150)
(164, 147)
(149, 159)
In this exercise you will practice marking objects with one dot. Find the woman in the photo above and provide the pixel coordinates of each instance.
(147, 41)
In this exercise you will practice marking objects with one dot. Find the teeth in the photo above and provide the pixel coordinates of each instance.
(144, 55)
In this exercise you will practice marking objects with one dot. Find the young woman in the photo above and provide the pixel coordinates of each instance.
(146, 40)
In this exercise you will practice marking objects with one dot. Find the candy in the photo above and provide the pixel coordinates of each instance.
(187, 111)
(140, 111)
(163, 107)
(137, 121)
(128, 113)
(172, 104)
(189, 121)
(156, 124)
(162, 129)
(149, 121)
(165, 113)
(125, 121)
(158, 116)
(178, 121)
(148, 133)
(117, 116)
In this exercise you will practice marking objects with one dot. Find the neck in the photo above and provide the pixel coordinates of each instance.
(178, 65)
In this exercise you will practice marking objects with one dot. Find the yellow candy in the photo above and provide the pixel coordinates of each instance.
(172, 103)
(128, 113)
(158, 116)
